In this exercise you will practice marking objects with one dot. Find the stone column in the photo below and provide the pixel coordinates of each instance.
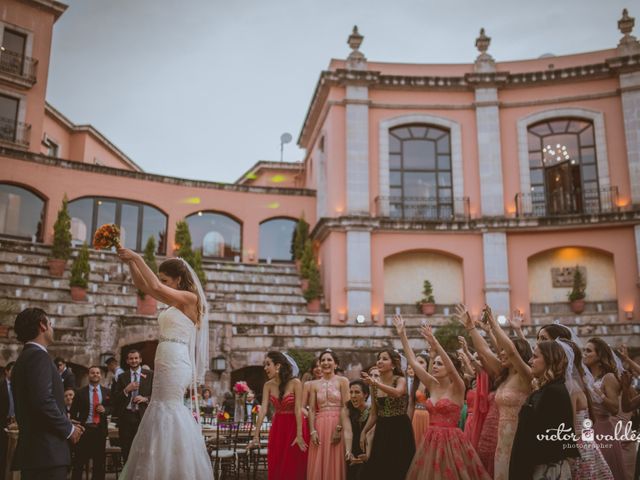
(496, 272)
(630, 97)
(359, 273)
(636, 230)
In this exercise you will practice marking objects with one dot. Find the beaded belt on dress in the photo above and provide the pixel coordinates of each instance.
(174, 340)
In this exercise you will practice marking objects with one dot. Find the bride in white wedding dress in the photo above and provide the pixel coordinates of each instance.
(169, 444)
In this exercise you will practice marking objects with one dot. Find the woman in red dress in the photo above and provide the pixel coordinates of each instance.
(288, 437)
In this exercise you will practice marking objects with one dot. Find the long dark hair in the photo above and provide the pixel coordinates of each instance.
(395, 360)
(555, 360)
(416, 381)
(285, 372)
(555, 330)
(177, 268)
(605, 356)
(525, 352)
(354, 413)
(579, 366)
(333, 355)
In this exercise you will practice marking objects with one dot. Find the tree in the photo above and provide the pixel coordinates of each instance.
(300, 236)
(579, 286)
(186, 252)
(307, 260)
(314, 290)
(80, 268)
(149, 258)
(427, 292)
(62, 233)
(448, 335)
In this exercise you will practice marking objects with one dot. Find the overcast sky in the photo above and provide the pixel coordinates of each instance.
(204, 88)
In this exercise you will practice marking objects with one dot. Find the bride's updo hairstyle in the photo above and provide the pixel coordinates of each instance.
(285, 372)
(177, 268)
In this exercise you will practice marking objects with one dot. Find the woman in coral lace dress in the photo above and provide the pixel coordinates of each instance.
(328, 417)
(444, 452)
(287, 447)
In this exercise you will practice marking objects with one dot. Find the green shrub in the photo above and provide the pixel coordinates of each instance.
(186, 252)
(149, 257)
(427, 292)
(448, 335)
(579, 286)
(303, 358)
(300, 236)
(315, 287)
(80, 268)
(308, 259)
(62, 233)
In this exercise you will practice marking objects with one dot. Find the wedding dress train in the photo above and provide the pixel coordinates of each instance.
(169, 444)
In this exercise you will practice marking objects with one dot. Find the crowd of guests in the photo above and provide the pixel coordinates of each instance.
(498, 407)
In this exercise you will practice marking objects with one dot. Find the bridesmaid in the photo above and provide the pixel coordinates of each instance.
(393, 444)
(314, 373)
(544, 411)
(444, 451)
(287, 447)
(329, 396)
(358, 416)
(598, 357)
(418, 395)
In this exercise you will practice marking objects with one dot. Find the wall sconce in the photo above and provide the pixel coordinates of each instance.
(360, 319)
(628, 314)
(342, 316)
(218, 364)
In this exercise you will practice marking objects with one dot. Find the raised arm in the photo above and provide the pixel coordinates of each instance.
(624, 353)
(138, 279)
(629, 401)
(425, 377)
(170, 296)
(523, 369)
(489, 360)
(456, 379)
(515, 322)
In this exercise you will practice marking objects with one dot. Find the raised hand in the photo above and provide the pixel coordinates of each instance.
(516, 320)
(462, 314)
(398, 321)
(623, 351)
(126, 255)
(427, 332)
(463, 344)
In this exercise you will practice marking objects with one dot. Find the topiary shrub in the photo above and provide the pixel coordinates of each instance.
(61, 248)
(80, 268)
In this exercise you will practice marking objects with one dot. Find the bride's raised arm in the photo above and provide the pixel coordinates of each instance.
(148, 282)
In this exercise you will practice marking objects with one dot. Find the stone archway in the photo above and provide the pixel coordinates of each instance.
(253, 375)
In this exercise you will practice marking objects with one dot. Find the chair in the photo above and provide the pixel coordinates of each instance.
(222, 451)
(113, 460)
(257, 457)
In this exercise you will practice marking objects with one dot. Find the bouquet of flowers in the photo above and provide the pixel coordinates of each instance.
(241, 388)
(107, 236)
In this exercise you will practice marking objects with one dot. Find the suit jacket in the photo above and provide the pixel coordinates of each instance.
(38, 397)
(69, 379)
(121, 399)
(80, 406)
(4, 403)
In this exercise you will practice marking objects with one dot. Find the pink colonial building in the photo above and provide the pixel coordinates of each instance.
(493, 180)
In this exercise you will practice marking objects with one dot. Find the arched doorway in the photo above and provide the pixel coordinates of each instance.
(253, 375)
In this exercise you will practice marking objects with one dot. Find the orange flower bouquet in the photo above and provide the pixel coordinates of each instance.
(107, 236)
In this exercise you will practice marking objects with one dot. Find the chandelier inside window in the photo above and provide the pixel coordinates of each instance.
(556, 154)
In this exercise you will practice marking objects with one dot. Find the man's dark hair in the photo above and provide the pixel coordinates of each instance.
(111, 360)
(28, 322)
(9, 366)
(59, 360)
(133, 350)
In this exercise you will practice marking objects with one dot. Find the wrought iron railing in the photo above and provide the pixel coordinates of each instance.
(12, 131)
(17, 65)
(576, 202)
(423, 208)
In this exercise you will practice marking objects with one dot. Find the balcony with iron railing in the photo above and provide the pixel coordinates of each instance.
(576, 202)
(423, 208)
(14, 133)
(18, 69)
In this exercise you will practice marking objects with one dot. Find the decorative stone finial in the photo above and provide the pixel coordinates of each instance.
(628, 44)
(484, 62)
(356, 59)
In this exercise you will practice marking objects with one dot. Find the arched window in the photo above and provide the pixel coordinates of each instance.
(563, 167)
(21, 212)
(276, 236)
(420, 183)
(137, 221)
(216, 234)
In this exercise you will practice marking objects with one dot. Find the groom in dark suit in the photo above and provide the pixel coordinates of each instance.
(130, 399)
(45, 431)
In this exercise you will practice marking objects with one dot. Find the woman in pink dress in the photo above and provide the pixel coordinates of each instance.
(444, 452)
(287, 447)
(328, 417)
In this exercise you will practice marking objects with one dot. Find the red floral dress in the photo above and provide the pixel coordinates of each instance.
(445, 453)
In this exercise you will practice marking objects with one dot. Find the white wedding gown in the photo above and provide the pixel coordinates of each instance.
(169, 443)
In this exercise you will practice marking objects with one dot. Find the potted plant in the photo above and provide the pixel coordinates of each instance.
(61, 249)
(314, 290)
(80, 275)
(428, 303)
(300, 236)
(577, 294)
(307, 261)
(147, 305)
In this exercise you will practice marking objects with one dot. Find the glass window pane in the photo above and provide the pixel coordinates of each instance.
(81, 213)
(444, 162)
(20, 212)
(129, 226)
(443, 144)
(534, 142)
(106, 213)
(536, 176)
(586, 137)
(588, 156)
(419, 154)
(394, 161)
(216, 234)
(559, 126)
(394, 144)
(535, 159)
(401, 133)
(559, 148)
(445, 195)
(395, 192)
(154, 224)
(576, 125)
(435, 133)
(541, 129)
(444, 179)
(419, 184)
(418, 132)
(276, 237)
(395, 179)
(589, 173)
(590, 187)
(8, 118)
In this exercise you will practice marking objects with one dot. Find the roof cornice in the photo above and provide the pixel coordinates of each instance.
(269, 164)
(57, 8)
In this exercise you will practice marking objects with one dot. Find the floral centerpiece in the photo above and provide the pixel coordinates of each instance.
(241, 389)
(254, 413)
(107, 236)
